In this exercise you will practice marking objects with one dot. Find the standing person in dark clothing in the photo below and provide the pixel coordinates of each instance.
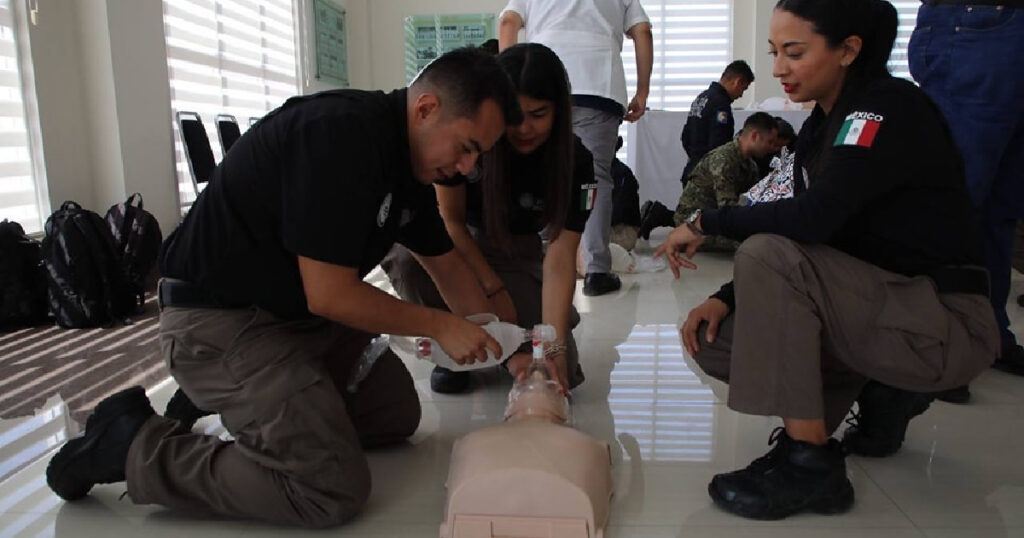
(710, 123)
(872, 271)
(967, 56)
(264, 311)
(537, 183)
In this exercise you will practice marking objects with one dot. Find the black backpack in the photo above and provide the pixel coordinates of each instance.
(87, 287)
(22, 283)
(137, 238)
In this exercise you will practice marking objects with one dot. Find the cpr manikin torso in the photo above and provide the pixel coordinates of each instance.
(531, 476)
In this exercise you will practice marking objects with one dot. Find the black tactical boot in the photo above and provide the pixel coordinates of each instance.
(792, 477)
(1011, 360)
(445, 381)
(958, 395)
(654, 214)
(880, 424)
(98, 456)
(181, 408)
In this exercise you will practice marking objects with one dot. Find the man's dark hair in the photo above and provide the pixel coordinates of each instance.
(491, 46)
(466, 77)
(761, 122)
(786, 130)
(738, 68)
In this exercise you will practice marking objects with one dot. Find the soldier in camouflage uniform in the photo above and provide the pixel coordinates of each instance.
(726, 172)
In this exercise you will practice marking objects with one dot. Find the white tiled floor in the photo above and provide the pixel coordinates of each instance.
(960, 473)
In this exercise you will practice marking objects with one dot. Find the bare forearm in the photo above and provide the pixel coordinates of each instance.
(456, 283)
(369, 309)
(643, 44)
(508, 30)
(467, 247)
(560, 282)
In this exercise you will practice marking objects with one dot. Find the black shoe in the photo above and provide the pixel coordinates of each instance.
(98, 456)
(1020, 300)
(880, 424)
(959, 395)
(446, 381)
(181, 408)
(1011, 361)
(654, 214)
(792, 477)
(600, 284)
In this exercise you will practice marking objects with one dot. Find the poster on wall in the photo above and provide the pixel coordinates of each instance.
(429, 36)
(331, 46)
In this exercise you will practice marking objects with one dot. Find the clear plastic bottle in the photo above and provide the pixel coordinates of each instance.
(538, 395)
(508, 335)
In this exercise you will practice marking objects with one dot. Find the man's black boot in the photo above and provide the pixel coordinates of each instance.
(792, 477)
(880, 424)
(654, 214)
(1011, 360)
(600, 283)
(181, 408)
(445, 381)
(98, 455)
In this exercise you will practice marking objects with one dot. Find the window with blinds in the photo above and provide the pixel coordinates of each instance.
(692, 44)
(232, 57)
(19, 190)
(908, 19)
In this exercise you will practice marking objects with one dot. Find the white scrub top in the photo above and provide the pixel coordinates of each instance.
(587, 36)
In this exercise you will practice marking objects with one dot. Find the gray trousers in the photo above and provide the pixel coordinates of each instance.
(279, 387)
(598, 130)
(813, 324)
(521, 270)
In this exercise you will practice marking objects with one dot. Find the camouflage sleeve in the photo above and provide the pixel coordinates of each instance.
(724, 176)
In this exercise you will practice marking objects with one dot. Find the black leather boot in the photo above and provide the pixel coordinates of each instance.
(792, 477)
(98, 456)
(181, 408)
(880, 424)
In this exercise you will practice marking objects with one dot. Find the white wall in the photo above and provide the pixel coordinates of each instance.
(750, 42)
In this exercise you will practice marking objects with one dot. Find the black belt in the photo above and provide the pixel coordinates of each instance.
(1007, 3)
(961, 280)
(181, 294)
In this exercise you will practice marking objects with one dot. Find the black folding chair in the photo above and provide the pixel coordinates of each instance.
(227, 131)
(198, 152)
(252, 121)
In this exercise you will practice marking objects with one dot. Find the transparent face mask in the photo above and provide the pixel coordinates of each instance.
(537, 396)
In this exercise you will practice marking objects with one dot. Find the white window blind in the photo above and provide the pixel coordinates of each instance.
(692, 44)
(227, 57)
(908, 19)
(19, 192)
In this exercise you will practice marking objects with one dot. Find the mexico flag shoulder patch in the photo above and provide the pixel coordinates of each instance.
(588, 196)
(859, 129)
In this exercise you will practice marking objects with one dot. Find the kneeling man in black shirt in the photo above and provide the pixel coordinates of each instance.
(264, 308)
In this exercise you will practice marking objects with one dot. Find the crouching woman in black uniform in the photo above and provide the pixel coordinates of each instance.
(870, 272)
(537, 181)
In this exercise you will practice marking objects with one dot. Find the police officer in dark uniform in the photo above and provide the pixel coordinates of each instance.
(872, 272)
(710, 123)
(264, 311)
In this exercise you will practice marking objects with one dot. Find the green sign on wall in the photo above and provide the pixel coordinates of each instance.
(331, 44)
(429, 36)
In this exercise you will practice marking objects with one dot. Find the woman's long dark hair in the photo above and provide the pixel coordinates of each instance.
(876, 23)
(536, 72)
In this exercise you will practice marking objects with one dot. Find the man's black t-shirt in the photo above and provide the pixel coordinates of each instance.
(526, 205)
(888, 189)
(325, 176)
